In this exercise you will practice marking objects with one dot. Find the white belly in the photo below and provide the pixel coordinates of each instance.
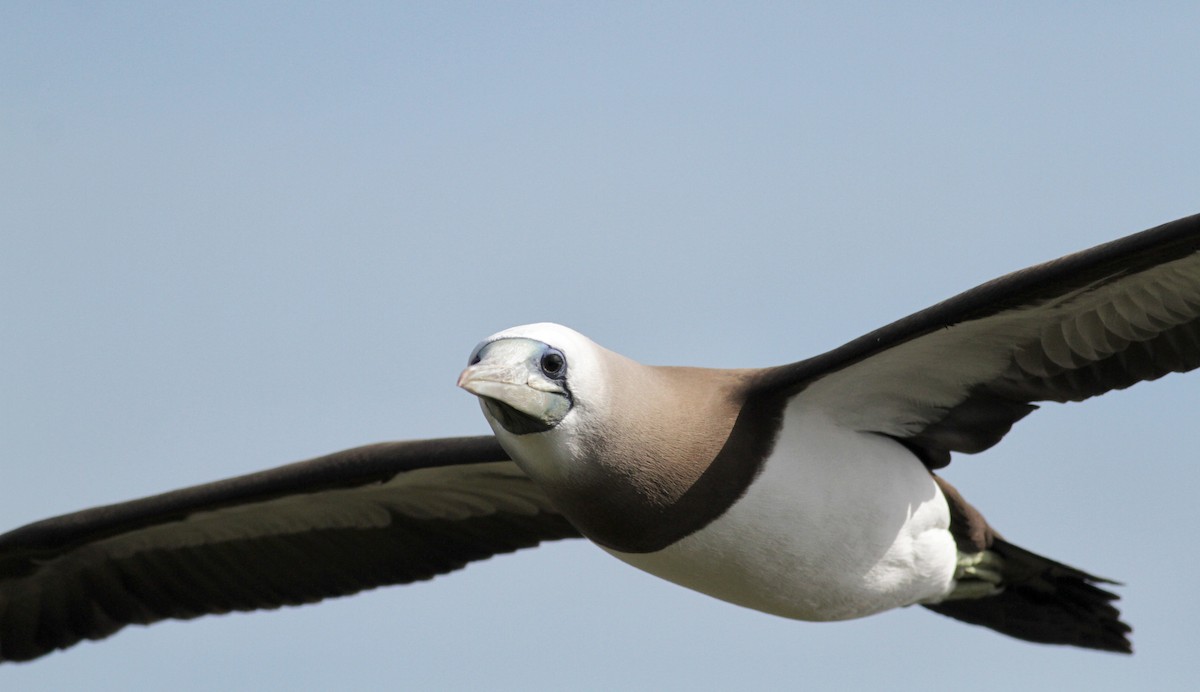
(839, 524)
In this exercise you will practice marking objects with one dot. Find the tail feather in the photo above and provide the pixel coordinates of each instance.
(1041, 600)
(1046, 602)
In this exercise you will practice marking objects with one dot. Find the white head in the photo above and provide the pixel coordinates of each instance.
(525, 376)
(541, 387)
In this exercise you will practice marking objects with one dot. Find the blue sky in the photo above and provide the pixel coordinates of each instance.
(241, 234)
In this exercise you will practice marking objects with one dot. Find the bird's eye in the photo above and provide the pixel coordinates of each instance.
(553, 363)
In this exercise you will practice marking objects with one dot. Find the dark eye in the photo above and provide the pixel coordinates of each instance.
(553, 363)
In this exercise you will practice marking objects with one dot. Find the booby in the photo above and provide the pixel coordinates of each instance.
(808, 490)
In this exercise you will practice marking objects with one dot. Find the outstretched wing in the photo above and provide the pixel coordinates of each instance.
(955, 377)
(389, 513)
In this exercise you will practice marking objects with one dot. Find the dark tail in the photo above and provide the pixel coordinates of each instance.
(1042, 600)
(1046, 602)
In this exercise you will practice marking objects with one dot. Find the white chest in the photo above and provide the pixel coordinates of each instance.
(839, 524)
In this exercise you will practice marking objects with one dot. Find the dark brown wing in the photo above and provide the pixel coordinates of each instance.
(389, 513)
(955, 377)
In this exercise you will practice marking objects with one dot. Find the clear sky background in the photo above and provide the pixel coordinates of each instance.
(234, 235)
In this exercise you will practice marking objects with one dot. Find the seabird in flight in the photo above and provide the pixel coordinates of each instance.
(807, 490)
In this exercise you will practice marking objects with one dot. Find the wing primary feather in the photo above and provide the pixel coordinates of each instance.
(391, 513)
(956, 376)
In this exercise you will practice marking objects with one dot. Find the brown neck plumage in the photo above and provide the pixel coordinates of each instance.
(677, 447)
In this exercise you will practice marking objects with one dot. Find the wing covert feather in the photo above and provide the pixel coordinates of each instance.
(390, 513)
(956, 376)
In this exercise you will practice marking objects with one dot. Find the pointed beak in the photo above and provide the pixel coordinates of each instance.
(511, 386)
(494, 380)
